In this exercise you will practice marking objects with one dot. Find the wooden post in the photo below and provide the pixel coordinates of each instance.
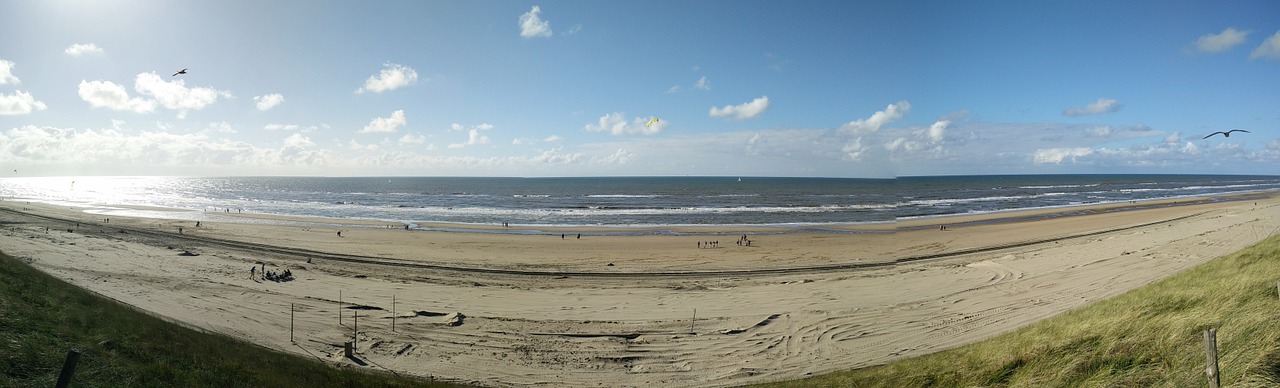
(347, 348)
(355, 332)
(339, 307)
(393, 312)
(1211, 371)
(695, 318)
(291, 323)
(68, 368)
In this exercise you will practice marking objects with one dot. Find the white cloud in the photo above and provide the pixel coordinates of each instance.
(872, 124)
(106, 94)
(175, 95)
(1098, 131)
(1190, 149)
(854, 150)
(6, 73)
(104, 151)
(556, 156)
(1173, 137)
(1057, 155)
(702, 84)
(1269, 49)
(222, 127)
(919, 140)
(298, 141)
(386, 124)
(552, 139)
(356, 146)
(1103, 105)
(473, 135)
(394, 76)
(19, 103)
(938, 130)
(532, 26)
(1216, 43)
(673, 89)
(620, 156)
(744, 111)
(268, 101)
(616, 124)
(79, 49)
(410, 138)
(281, 127)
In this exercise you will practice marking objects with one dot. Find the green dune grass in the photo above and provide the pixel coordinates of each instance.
(42, 317)
(1148, 337)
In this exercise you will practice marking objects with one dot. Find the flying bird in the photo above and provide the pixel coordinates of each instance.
(183, 71)
(1225, 134)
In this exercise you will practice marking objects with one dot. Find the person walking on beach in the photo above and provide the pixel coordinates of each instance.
(339, 233)
(253, 273)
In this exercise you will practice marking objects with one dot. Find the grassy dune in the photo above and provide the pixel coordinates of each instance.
(42, 317)
(1149, 337)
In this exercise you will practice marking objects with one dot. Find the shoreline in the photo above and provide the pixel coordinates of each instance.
(632, 325)
(902, 224)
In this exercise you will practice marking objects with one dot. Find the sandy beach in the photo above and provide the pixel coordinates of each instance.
(589, 307)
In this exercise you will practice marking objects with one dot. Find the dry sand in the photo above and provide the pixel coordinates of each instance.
(617, 310)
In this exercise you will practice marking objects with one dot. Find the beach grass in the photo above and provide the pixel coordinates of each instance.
(42, 317)
(1149, 337)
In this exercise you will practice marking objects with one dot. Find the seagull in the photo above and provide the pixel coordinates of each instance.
(1225, 134)
(183, 71)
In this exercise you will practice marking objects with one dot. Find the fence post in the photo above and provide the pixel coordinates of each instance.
(692, 320)
(291, 324)
(1211, 371)
(68, 368)
(393, 312)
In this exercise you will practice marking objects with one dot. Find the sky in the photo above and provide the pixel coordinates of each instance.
(865, 89)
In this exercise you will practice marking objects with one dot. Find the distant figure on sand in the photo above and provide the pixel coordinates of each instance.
(339, 233)
(253, 272)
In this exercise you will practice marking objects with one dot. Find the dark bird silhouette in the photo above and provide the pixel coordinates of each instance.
(183, 71)
(1225, 134)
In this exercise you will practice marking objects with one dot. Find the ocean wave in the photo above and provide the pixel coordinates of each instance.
(1059, 186)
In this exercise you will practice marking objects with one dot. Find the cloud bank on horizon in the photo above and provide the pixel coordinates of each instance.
(819, 90)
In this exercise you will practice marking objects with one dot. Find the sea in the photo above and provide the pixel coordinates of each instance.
(622, 202)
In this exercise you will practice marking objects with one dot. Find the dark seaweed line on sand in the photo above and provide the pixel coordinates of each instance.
(358, 259)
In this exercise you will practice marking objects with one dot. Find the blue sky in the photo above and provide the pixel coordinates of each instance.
(565, 88)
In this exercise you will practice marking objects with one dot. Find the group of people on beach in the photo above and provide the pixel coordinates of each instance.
(743, 241)
(281, 276)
